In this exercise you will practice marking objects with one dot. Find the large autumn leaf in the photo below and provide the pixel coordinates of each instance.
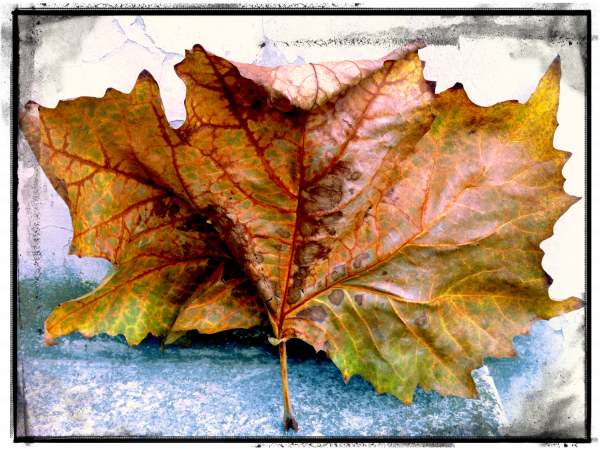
(455, 272)
(398, 232)
(166, 256)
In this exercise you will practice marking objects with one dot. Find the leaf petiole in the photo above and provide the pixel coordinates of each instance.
(289, 421)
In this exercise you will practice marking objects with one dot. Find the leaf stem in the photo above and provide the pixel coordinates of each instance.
(289, 421)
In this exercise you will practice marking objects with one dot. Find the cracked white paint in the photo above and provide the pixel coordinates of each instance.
(85, 56)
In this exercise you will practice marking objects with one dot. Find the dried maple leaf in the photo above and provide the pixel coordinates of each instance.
(398, 232)
(457, 270)
(167, 258)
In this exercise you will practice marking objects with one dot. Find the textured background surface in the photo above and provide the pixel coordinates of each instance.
(228, 384)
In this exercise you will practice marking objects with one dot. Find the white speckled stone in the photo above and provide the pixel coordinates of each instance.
(101, 387)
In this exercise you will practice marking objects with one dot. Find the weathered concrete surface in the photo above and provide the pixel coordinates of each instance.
(229, 384)
(226, 388)
(543, 391)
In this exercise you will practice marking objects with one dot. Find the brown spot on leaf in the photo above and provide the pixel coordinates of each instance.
(278, 246)
(73, 250)
(316, 314)
(238, 234)
(294, 295)
(358, 261)
(324, 196)
(421, 320)
(355, 176)
(265, 288)
(336, 296)
(384, 273)
(333, 183)
(322, 199)
(295, 292)
(343, 170)
(274, 286)
(338, 272)
(308, 228)
(307, 254)
(332, 218)
(283, 233)
(259, 257)
(359, 299)
(301, 274)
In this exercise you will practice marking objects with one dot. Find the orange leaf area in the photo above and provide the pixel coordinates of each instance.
(458, 265)
(164, 251)
(396, 229)
(169, 268)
